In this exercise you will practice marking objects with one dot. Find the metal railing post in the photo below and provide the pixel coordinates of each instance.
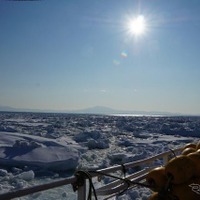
(82, 191)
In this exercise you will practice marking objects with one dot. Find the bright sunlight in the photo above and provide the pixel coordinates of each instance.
(137, 26)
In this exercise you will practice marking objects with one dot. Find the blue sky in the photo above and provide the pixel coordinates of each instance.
(73, 54)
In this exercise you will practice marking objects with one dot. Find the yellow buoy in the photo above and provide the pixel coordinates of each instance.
(180, 169)
(188, 150)
(198, 145)
(157, 178)
(190, 145)
(153, 196)
(195, 157)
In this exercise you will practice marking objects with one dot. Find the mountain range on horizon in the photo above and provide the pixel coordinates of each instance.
(90, 110)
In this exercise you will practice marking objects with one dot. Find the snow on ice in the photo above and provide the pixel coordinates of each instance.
(37, 148)
(19, 150)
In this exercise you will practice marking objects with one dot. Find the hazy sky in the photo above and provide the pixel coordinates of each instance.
(72, 54)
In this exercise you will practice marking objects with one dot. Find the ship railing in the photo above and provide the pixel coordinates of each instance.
(81, 181)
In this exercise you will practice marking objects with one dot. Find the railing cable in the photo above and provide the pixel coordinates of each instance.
(126, 180)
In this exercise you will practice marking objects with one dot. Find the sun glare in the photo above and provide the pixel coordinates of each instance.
(137, 25)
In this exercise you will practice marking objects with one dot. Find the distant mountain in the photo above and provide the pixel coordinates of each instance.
(96, 110)
(107, 110)
(90, 110)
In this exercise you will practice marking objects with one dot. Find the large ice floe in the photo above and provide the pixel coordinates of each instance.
(21, 150)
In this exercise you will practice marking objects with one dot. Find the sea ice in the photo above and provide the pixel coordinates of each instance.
(27, 176)
(34, 145)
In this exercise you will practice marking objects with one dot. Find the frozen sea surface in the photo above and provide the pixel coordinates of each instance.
(37, 148)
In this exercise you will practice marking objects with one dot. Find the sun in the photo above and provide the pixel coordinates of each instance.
(137, 26)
